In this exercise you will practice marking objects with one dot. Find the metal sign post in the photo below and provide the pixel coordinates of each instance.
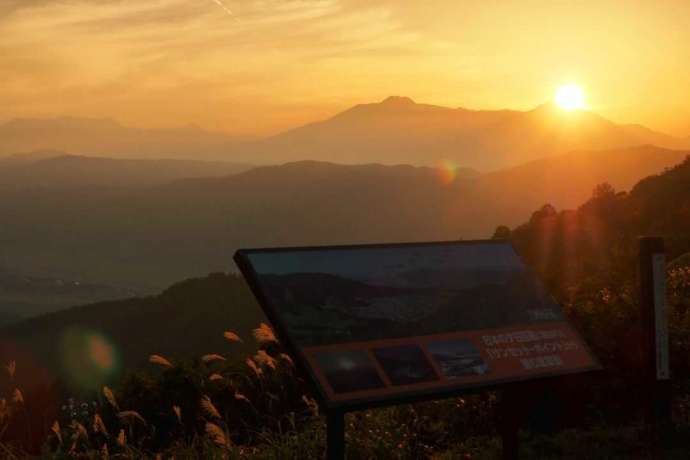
(654, 315)
(335, 435)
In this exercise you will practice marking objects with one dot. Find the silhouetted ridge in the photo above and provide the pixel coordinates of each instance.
(398, 101)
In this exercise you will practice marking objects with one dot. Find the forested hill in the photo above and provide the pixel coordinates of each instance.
(185, 321)
(599, 240)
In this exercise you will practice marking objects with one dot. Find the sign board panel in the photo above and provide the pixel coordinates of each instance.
(376, 323)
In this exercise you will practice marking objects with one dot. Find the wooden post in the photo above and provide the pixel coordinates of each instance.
(654, 317)
(335, 435)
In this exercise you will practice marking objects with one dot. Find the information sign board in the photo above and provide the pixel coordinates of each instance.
(374, 323)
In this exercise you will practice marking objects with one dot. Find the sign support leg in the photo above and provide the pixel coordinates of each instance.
(335, 435)
(654, 316)
(509, 425)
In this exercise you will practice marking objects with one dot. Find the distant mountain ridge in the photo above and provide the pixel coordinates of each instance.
(185, 228)
(60, 169)
(108, 138)
(396, 130)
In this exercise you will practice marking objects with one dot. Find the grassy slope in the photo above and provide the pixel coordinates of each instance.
(185, 321)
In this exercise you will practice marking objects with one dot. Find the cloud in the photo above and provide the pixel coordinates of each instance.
(222, 5)
(115, 55)
(103, 53)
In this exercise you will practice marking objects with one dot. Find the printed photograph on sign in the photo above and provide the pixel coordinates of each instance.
(458, 358)
(405, 364)
(337, 296)
(348, 371)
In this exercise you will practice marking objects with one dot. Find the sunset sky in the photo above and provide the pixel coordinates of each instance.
(261, 66)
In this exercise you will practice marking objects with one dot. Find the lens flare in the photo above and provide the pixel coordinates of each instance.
(447, 172)
(88, 358)
(101, 352)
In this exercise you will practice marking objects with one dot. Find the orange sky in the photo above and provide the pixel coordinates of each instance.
(260, 66)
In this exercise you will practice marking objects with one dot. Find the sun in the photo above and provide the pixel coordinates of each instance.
(570, 97)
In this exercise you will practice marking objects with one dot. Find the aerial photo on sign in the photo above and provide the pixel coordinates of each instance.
(372, 321)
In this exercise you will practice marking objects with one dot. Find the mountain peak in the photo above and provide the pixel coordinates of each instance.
(398, 101)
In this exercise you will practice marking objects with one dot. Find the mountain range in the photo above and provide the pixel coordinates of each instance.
(106, 205)
(51, 168)
(398, 130)
(394, 131)
(151, 237)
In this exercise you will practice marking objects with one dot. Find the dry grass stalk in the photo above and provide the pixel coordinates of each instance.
(240, 396)
(121, 438)
(252, 365)
(55, 428)
(287, 358)
(11, 368)
(311, 404)
(131, 415)
(110, 397)
(264, 334)
(98, 425)
(208, 406)
(212, 357)
(178, 413)
(216, 434)
(79, 431)
(265, 359)
(161, 361)
(232, 337)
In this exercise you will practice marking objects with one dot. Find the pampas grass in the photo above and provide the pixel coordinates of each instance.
(55, 428)
(121, 438)
(217, 435)
(252, 365)
(127, 415)
(232, 337)
(241, 397)
(209, 408)
(110, 397)
(264, 334)
(287, 359)
(212, 357)
(235, 406)
(11, 368)
(264, 359)
(161, 361)
(98, 425)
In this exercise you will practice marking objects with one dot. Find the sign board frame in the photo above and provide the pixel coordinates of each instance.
(281, 330)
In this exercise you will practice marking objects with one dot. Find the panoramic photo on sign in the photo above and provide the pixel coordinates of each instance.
(377, 322)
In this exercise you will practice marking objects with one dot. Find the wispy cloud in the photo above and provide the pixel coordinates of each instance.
(113, 57)
(180, 60)
(223, 6)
